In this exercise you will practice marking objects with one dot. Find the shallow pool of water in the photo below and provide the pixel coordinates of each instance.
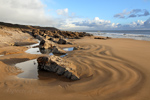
(30, 71)
(1, 55)
(68, 49)
(45, 51)
(29, 68)
(33, 51)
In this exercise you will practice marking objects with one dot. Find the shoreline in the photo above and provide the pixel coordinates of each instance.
(134, 34)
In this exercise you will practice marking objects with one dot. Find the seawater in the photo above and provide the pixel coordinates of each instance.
(132, 34)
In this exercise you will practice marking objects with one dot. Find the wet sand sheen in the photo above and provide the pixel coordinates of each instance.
(109, 70)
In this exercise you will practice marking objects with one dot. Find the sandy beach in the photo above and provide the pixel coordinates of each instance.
(74, 50)
(113, 69)
(109, 69)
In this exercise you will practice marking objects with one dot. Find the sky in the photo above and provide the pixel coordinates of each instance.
(78, 14)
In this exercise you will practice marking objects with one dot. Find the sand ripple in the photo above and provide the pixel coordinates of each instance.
(104, 73)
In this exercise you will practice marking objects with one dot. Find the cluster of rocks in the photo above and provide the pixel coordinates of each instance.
(51, 46)
(59, 34)
(102, 38)
(49, 41)
(58, 65)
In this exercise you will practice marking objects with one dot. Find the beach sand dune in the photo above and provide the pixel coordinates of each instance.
(114, 69)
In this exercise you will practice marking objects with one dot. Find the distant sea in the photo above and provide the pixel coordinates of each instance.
(133, 34)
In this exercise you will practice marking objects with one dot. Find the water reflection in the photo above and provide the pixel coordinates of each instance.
(30, 69)
(33, 51)
(68, 49)
(45, 51)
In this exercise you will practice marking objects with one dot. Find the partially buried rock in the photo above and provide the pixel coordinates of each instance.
(102, 38)
(58, 65)
(78, 48)
(57, 50)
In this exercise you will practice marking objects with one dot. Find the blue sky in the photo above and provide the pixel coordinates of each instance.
(78, 14)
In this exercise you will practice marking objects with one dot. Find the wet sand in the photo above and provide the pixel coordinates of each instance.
(112, 69)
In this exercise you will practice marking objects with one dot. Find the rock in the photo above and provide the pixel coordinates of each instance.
(11, 44)
(108, 37)
(56, 36)
(73, 77)
(61, 71)
(62, 41)
(46, 44)
(42, 61)
(68, 74)
(58, 65)
(47, 37)
(57, 50)
(53, 39)
(103, 38)
(45, 51)
(78, 48)
(39, 37)
(35, 32)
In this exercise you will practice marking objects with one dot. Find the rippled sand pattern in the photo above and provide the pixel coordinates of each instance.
(104, 74)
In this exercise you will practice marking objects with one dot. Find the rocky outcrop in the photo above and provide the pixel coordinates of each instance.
(58, 65)
(46, 45)
(59, 34)
(101, 37)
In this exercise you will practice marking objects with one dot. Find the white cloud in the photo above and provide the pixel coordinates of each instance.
(132, 13)
(100, 24)
(25, 12)
(63, 12)
(96, 23)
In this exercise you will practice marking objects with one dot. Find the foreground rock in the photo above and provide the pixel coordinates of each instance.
(58, 65)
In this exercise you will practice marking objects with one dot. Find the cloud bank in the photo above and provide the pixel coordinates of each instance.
(133, 13)
(25, 12)
(99, 24)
